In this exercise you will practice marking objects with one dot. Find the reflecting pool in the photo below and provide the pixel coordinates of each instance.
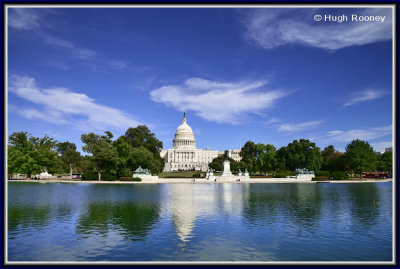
(200, 222)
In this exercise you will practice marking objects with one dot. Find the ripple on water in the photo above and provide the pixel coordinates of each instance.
(200, 222)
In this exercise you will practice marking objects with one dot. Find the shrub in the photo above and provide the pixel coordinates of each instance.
(108, 176)
(197, 175)
(125, 172)
(130, 179)
(339, 175)
(89, 175)
(322, 173)
(284, 174)
(320, 178)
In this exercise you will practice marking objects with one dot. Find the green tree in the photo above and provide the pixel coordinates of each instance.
(101, 148)
(337, 162)
(141, 136)
(265, 157)
(249, 156)
(217, 164)
(385, 162)
(124, 163)
(30, 155)
(327, 155)
(69, 156)
(360, 156)
(141, 156)
(300, 154)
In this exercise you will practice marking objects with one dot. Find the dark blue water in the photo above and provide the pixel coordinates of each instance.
(200, 222)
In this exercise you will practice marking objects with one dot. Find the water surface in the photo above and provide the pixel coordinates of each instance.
(200, 222)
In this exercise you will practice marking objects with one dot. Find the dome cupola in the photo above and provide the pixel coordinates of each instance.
(184, 137)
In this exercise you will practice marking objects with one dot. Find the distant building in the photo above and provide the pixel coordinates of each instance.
(184, 155)
(234, 154)
(389, 149)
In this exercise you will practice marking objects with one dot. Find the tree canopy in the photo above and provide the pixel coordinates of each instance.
(384, 162)
(30, 155)
(300, 154)
(141, 136)
(360, 156)
(139, 147)
(68, 155)
(217, 164)
(100, 147)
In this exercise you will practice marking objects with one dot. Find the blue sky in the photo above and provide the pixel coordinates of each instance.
(270, 75)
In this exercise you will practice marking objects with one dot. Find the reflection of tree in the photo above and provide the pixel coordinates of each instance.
(364, 204)
(33, 205)
(135, 220)
(262, 203)
(299, 202)
(28, 216)
(304, 204)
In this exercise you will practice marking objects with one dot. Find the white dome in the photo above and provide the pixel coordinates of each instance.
(184, 137)
(184, 128)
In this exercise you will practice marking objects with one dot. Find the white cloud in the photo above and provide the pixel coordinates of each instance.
(117, 64)
(363, 96)
(363, 134)
(366, 134)
(97, 60)
(273, 27)
(58, 42)
(66, 44)
(23, 18)
(271, 121)
(216, 101)
(28, 18)
(62, 106)
(84, 53)
(287, 127)
(381, 146)
(58, 64)
(51, 116)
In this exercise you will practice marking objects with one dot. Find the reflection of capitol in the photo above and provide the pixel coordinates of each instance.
(185, 156)
(191, 202)
(183, 210)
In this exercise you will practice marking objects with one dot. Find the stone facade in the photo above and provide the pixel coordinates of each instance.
(184, 155)
(234, 154)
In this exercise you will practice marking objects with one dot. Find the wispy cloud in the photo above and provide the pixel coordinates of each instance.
(84, 53)
(288, 127)
(117, 64)
(58, 64)
(222, 102)
(365, 95)
(23, 18)
(366, 134)
(381, 146)
(76, 51)
(274, 27)
(271, 121)
(58, 42)
(65, 107)
(95, 60)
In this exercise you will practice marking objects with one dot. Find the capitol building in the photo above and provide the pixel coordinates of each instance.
(184, 155)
